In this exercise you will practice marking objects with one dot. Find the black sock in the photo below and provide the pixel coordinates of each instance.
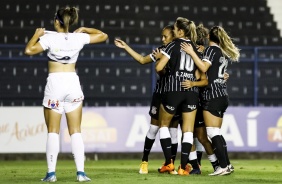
(219, 151)
(215, 164)
(185, 151)
(194, 164)
(188, 161)
(173, 151)
(147, 148)
(225, 149)
(199, 156)
(166, 146)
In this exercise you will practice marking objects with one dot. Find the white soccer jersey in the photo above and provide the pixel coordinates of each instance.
(63, 47)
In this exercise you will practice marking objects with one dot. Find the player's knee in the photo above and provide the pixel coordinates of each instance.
(152, 132)
(174, 135)
(213, 131)
(202, 138)
(73, 130)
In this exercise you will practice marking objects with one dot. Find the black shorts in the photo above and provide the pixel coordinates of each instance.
(216, 106)
(155, 105)
(185, 101)
(199, 120)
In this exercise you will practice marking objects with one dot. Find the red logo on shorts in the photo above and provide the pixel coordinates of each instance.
(78, 99)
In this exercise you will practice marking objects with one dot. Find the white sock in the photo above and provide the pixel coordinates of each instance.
(173, 133)
(212, 158)
(164, 133)
(77, 147)
(152, 132)
(52, 151)
(193, 155)
(188, 137)
(199, 146)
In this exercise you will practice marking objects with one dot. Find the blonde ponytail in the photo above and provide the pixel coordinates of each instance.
(219, 36)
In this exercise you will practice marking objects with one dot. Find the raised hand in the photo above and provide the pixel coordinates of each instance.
(119, 43)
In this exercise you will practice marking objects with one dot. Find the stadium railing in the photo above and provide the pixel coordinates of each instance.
(254, 81)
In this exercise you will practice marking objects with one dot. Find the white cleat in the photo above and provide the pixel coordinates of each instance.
(50, 177)
(81, 177)
(173, 172)
(220, 172)
(231, 168)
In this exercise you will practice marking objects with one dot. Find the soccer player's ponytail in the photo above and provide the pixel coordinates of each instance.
(219, 36)
(67, 17)
(188, 27)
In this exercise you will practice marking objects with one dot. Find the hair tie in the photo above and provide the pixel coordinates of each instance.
(59, 18)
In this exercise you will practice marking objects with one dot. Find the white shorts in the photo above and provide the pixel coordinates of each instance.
(63, 92)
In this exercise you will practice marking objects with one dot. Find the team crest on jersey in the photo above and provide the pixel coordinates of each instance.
(154, 110)
(53, 104)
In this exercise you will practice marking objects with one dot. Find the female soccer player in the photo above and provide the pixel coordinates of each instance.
(63, 91)
(200, 135)
(214, 63)
(181, 68)
(167, 37)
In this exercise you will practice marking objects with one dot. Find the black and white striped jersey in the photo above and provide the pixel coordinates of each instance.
(217, 85)
(161, 79)
(181, 66)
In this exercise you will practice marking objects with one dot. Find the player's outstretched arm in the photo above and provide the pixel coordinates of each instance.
(138, 57)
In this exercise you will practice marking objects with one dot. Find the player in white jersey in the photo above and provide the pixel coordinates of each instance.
(63, 91)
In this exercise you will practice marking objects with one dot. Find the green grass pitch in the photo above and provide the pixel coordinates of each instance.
(126, 172)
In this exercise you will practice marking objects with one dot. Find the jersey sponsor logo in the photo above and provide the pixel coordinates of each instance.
(63, 58)
(170, 107)
(192, 107)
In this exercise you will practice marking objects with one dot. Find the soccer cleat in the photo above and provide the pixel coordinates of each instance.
(166, 168)
(226, 171)
(50, 177)
(143, 168)
(81, 176)
(196, 171)
(220, 171)
(182, 172)
(188, 168)
(173, 172)
(231, 168)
